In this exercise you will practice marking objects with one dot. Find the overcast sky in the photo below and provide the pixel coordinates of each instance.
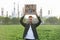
(53, 5)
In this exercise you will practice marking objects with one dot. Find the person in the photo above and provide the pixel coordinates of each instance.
(30, 32)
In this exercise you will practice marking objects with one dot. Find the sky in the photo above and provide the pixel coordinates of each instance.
(52, 5)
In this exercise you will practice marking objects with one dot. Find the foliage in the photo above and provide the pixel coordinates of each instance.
(7, 20)
(59, 21)
(51, 20)
(15, 20)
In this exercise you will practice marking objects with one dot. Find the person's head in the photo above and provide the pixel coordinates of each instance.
(30, 19)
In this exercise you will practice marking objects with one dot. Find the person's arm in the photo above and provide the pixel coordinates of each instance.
(21, 21)
(39, 20)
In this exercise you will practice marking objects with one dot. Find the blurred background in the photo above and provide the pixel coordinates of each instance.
(11, 12)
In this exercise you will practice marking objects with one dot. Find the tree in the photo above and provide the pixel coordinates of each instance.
(6, 20)
(51, 20)
(15, 20)
(59, 21)
(2, 20)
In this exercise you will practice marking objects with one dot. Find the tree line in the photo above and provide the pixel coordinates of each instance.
(52, 21)
(8, 21)
(16, 21)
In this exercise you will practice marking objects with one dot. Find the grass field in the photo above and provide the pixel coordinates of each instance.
(15, 32)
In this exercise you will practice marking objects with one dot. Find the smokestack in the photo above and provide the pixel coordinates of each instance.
(2, 11)
(41, 13)
(18, 10)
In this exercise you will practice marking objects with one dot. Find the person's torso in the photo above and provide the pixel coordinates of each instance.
(30, 34)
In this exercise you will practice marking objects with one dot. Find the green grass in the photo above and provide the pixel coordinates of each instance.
(15, 32)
